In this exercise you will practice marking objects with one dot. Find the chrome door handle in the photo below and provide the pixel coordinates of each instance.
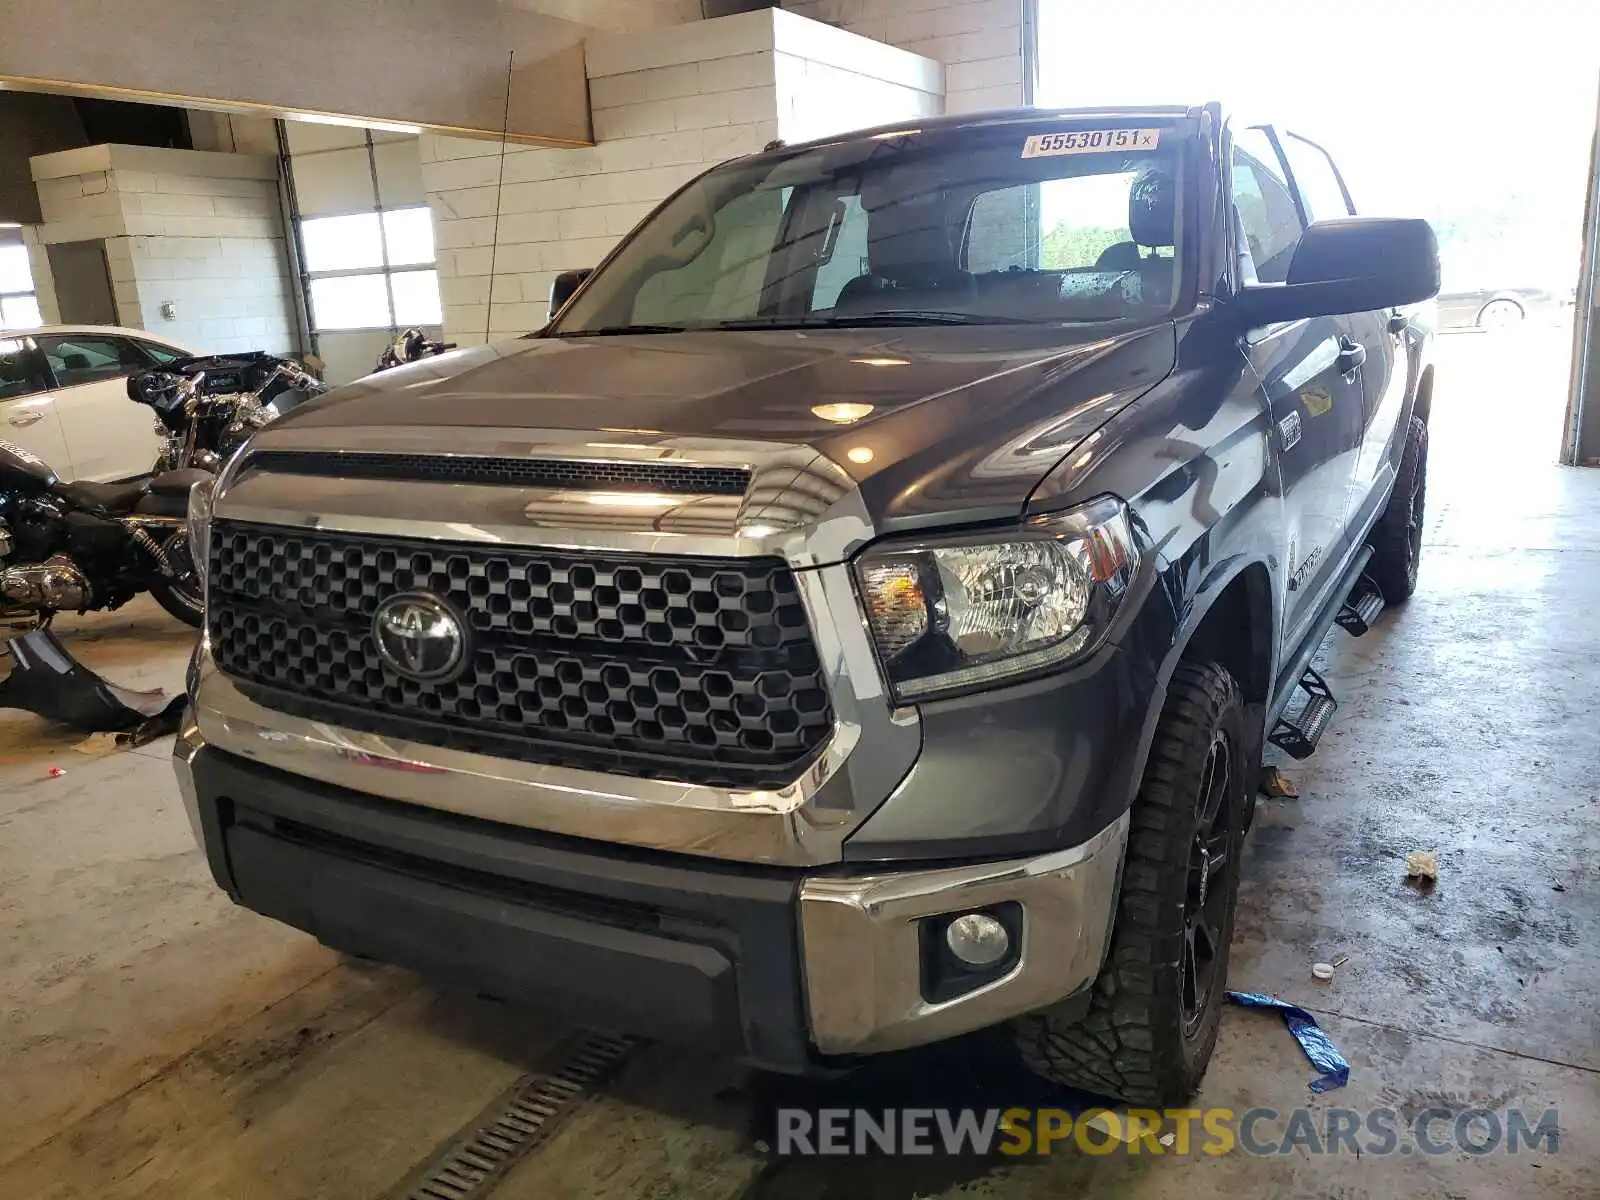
(27, 418)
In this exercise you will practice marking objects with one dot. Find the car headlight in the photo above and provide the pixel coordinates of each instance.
(952, 614)
(199, 524)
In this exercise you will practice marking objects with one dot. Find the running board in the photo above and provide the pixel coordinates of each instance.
(1361, 608)
(1297, 736)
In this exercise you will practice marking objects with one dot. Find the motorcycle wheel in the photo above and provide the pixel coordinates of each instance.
(182, 596)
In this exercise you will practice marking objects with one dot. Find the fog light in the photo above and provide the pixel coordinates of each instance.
(977, 939)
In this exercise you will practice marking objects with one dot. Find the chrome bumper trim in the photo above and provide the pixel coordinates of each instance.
(863, 964)
(184, 750)
(803, 824)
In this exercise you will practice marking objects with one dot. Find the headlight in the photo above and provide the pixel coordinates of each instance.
(200, 499)
(953, 614)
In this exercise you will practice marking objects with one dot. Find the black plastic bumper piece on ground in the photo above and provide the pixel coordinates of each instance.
(685, 952)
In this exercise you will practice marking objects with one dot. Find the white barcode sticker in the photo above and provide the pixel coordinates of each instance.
(1090, 141)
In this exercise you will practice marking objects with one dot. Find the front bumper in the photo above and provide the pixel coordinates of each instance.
(772, 964)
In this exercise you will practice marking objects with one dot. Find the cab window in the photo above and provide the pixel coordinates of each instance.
(1269, 224)
(1316, 179)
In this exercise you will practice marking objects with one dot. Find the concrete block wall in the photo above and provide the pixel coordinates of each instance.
(201, 231)
(832, 81)
(978, 41)
(667, 104)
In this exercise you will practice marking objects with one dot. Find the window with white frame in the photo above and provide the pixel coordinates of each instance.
(19, 305)
(372, 270)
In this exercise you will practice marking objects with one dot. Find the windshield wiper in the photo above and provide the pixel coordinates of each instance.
(899, 316)
(613, 330)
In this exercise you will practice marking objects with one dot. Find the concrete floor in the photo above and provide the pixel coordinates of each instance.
(155, 1041)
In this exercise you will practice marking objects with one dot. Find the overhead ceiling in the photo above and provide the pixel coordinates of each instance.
(425, 64)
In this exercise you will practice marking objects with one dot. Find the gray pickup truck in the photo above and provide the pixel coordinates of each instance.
(857, 618)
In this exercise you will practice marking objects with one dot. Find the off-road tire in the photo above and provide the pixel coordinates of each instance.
(1396, 539)
(1132, 1044)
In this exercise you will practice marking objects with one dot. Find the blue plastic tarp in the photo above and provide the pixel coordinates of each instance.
(1319, 1048)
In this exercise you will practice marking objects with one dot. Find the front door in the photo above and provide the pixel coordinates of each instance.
(1312, 385)
(27, 408)
(109, 437)
(1324, 197)
(1314, 395)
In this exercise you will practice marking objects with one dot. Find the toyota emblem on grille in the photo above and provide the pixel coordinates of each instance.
(419, 637)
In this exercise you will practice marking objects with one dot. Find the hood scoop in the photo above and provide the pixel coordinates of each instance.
(572, 474)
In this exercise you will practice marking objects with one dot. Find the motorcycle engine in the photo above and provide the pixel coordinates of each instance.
(55, 585)
(5, 541)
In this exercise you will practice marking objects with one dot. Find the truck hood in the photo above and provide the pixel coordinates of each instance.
(836, 437)
(943, 423)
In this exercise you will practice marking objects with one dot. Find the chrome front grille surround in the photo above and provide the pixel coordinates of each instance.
(274, 685)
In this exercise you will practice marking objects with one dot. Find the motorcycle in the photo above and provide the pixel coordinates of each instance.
(411, 346)
(77, 547)
(207, 407)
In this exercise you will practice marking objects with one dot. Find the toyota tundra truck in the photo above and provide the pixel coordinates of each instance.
(857, 618)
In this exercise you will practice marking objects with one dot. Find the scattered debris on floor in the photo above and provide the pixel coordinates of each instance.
(1318, 1046)
(55, 773)
(97, 744)
(1275, 783)
(1422, 865)
(1324, 970)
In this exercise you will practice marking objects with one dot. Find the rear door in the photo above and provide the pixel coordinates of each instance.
(1313, 392)
(109, 437)
(1380, 334)
(27, 408)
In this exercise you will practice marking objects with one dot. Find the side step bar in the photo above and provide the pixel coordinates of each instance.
(1298, 735)
(1361, 608)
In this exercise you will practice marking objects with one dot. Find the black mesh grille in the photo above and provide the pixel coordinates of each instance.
(508, 472)
(694, 669)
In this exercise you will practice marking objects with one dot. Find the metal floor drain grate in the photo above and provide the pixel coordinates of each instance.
(470, 1167)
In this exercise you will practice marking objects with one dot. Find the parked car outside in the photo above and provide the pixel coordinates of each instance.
(856, 619)
(1492, 309)
(64, 397)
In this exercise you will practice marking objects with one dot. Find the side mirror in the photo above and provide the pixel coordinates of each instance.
(1353, 264)
(564, 285)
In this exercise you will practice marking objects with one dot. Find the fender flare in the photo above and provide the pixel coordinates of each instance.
(1197, 606)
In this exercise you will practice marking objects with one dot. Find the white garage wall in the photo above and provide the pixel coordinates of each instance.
(201, 231)
(978, 41)
(667, 104)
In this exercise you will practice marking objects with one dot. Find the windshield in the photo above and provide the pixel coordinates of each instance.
(1033, 223)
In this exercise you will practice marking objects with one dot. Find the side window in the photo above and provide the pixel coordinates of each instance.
(19, 374)
(1316, 179)
(162, 354)
(848, 257)
(78, 360)
(1268, 222)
